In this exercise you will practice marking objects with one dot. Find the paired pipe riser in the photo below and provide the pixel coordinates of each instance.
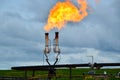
(56, 43)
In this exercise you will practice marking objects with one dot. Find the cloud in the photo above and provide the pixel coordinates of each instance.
(22, 34)
(88, 35)
(34, 10)
(83, 57)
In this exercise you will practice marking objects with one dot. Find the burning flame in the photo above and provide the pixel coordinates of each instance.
(66, 11)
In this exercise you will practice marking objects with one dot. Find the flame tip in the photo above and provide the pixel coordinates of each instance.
(64, 12)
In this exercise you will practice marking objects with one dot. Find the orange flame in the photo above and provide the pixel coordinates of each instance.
(66, 11)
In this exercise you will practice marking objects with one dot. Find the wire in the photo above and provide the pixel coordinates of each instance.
(59, 58)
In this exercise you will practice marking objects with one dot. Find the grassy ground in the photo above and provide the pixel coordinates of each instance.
(62, 73)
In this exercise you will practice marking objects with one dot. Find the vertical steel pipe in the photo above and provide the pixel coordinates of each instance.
(56, 38)
(46, 39)
(47, 44)
(56, 43)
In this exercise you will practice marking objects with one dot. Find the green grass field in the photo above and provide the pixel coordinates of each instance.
(63, 73)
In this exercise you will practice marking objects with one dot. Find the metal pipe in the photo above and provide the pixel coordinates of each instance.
(46, 39)
(56, 38)
(47, 49)
(56, 43)
(92, 61)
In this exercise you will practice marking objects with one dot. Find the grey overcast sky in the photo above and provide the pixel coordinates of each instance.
(22, 34)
